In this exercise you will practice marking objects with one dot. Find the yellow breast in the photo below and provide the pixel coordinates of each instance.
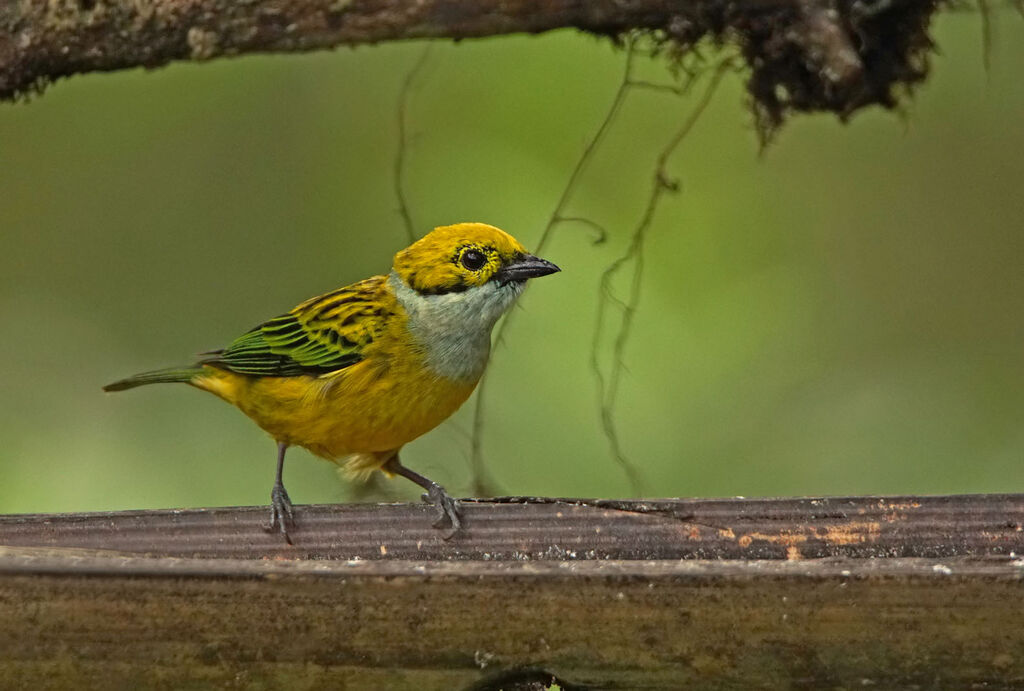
(373, 407)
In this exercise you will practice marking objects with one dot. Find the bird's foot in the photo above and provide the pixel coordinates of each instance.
(447, 509)
(282, 515)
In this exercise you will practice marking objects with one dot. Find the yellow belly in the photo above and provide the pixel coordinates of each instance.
(371, 408)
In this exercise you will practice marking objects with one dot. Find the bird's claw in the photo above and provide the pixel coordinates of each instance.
(282, 515)
(447, 509)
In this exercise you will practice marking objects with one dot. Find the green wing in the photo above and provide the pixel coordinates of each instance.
(319, 336)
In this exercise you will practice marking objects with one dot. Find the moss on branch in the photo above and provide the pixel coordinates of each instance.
(803, 55)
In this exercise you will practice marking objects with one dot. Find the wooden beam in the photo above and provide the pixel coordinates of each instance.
(804, 593)
(531, 528)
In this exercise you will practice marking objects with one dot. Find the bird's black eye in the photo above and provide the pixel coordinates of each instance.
(473, 260)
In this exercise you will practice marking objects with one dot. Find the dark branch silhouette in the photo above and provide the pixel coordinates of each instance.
(608, 384)
(481, 485)
(398, 169)
(803, 55)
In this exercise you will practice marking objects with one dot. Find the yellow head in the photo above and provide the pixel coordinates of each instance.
(454, 284)
(455, 258)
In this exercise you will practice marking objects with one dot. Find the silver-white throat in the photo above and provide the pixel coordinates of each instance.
(454, 329)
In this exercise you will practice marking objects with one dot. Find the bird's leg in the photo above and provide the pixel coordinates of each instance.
(447, 507)
(281, 512)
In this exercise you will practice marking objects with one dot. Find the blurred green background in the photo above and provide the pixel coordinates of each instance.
(842, 314)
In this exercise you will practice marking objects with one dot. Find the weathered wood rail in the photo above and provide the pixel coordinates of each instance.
(884, 592)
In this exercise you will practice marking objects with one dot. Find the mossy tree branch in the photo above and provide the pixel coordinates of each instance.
(824, 54)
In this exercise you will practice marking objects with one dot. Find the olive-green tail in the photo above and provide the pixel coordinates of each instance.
(160, 376)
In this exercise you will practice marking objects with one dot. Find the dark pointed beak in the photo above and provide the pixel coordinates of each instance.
(525, 267)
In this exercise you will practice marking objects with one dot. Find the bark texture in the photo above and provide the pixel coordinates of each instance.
(810, 593)
(835, 55)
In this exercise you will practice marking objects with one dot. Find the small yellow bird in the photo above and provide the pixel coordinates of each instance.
(357, 373)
